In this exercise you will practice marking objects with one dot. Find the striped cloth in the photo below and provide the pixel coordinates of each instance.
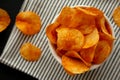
(47, 68)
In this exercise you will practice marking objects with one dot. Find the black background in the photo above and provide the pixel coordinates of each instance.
(7, 73)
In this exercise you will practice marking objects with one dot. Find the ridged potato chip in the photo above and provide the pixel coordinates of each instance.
(51, 32)
(69, 39)
(102, 51)
(73, 65)
(28, 22)
(116, 16)
(4, 19)
(91, 39)
(30, 52)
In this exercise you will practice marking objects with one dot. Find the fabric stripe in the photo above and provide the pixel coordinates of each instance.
(47, 68)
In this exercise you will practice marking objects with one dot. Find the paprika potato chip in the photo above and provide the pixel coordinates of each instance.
(91, 39)
(69, 39)
(95, 11)
(67, 16)
(51, 32)
(28, 22)
(88, 54)
(102, 52)
(103, 28)
(86, 29)
(86, 11)
(60, 52)
(75, 54)
(107, 38)
(4, 19)
(73, 65)
(116, 16)
(30, 52)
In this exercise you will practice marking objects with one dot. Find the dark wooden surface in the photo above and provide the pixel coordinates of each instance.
(7, 73)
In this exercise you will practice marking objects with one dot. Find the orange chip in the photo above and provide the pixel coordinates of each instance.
(75, 54)
(69, 39)
(28, 22)
(91, 39)
(103, 27)
(107, 38)
(87, 12)
(87, 18)
(67, 17)
(72, 54)
(86, 29)
(60, 52)
(74, 66)
(88, 54)
(51, 32)
(95, 11)
(30, 52)
(102, 52)
(116, 16)
(4, 19)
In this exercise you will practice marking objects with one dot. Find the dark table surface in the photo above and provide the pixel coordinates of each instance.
(7, 73)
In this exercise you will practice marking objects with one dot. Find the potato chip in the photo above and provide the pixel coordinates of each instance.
(69, 39)
(103, 27)
(88, 54)
(102, 52)
(60, 52)
(87, 12)
(86, 29)
(76, 55)
(87, 19)
(30, 52)
(107, 38)
(91, 39)
(74, 66)
(28, 22)
(95, 11)
(71, 17)
(116, 16)
(67, 17)
(51, 32)
(4, 19)
(72, 54)
(107, 25)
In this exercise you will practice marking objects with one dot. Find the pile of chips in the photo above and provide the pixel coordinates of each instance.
(81, 36)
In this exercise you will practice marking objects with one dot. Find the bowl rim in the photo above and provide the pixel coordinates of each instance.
(94, 66)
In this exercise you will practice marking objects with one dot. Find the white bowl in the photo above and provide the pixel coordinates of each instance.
(58, 58)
